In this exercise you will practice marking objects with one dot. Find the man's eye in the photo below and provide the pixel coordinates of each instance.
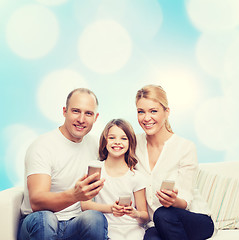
(75, 110)
(89, 114)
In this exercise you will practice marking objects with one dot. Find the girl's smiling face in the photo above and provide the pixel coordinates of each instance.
(117, 142)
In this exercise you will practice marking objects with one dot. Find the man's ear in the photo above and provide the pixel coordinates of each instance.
(96, 116)
(64, 111)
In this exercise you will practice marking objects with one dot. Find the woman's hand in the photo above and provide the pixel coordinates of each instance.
(167, 198)
(117, 210)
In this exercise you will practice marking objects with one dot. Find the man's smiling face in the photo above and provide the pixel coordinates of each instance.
(80, 116)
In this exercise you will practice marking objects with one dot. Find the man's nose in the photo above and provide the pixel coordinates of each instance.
(81, 118)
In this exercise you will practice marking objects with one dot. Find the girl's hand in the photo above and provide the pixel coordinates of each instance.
(132, 212)
(166, 197)
(117, 210)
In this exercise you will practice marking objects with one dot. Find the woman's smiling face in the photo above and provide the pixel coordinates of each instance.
(151, 116)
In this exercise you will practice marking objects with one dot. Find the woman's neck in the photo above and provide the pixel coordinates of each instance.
(159, 138)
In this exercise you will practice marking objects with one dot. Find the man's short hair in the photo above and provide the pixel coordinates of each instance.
(81, 90)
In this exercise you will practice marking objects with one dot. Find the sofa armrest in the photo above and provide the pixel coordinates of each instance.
(10, 203)
(218, 184)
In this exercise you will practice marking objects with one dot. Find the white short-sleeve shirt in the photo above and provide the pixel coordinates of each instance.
(114, 187)
(65, 161)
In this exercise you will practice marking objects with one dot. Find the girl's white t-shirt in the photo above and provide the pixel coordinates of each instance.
(114, 187)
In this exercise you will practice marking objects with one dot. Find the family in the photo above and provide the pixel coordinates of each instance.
(61, 201)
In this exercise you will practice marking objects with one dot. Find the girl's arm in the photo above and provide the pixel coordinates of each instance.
(90, 205)
(141, 212)
(117, 210)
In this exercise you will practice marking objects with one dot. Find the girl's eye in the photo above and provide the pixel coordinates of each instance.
(124, 138)
(110, 137)
(154, 111)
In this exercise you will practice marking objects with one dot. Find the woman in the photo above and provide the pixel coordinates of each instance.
(164, 155)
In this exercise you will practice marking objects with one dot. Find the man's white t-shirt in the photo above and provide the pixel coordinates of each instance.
(65, 161)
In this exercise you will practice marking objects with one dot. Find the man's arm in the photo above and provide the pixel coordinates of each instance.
(42, 199)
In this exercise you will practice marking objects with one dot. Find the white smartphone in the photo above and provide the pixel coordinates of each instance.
(125, 200)
(168, 185)
(93, 168)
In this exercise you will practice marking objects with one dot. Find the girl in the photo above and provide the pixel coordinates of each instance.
(164, 155)
(117, 150)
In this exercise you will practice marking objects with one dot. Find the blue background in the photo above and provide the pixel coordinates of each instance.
(49, 47)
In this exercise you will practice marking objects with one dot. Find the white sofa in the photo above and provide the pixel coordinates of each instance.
(217, 182)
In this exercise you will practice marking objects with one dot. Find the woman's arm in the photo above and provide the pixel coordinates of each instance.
(141, 212)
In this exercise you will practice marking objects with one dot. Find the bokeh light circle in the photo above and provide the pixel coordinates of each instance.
(32, 31)
(212, 50)
(52, 2)
(214, 15)
(19, 138)
(53, 91)
(181, 85)
(104, 47)
(231, 67)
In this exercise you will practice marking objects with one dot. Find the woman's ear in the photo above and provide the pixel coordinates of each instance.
(168, 111)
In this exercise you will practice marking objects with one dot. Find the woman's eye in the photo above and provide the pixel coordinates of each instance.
(140, 112)
(154, 111)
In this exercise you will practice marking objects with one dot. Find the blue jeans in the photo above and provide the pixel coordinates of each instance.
(175, 223)
(44, 225)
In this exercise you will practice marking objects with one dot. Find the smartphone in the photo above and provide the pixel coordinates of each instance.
(125, 200)
(168, 185)
(93, 168)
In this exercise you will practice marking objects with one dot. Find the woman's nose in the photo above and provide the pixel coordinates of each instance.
(147, 117)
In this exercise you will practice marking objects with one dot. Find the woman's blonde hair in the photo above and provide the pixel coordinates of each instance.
(157, 94)
(130, 157)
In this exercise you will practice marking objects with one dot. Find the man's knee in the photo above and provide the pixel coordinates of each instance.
(92, 217)
(39, 223)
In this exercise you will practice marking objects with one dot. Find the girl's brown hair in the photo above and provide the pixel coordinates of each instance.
(130, 157)
(157, 94)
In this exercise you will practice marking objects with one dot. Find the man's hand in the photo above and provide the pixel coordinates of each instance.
(84, 191)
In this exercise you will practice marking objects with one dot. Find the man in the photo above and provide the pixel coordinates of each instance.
(55, 167)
